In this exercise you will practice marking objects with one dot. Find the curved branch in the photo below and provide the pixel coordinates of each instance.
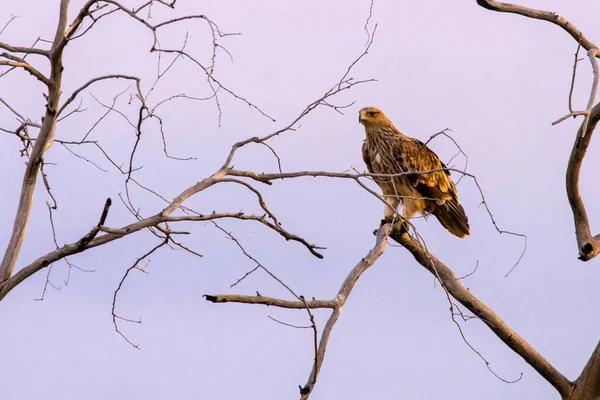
(541, 15)
(341, 298)
(17, 62)
(25, 50)
(261, 200)
(110, 235)
(336, 304)
(343, 84)
(100, 78)
(464, 296)
(589, 246)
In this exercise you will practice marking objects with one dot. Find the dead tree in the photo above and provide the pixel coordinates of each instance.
(587, 385)
(37, 137)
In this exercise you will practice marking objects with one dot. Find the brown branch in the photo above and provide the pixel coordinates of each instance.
(589, 245)
(541, 15)
(587, 385)
(84, 241)
(261, 200)
(313, 325)
(592, 54)
(12, 18)
(267, 178)
(18, 62)
(336, 304)
(341, 298)
(270, 301)
(464, 296)
(569, 115)
(135, 265)
(25, 50)
(253, 259)
(97, 79)
(288, 324)
(45, 137)
(573, 76)
(216, 33)
(114, 234)
(287, 235)
(345, 83)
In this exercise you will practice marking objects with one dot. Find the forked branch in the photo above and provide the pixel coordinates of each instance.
(45, 138)
(336, 304)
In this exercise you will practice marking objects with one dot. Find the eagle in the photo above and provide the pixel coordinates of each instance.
(388, 151)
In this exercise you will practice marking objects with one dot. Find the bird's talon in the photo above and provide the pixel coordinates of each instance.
(403, 226)
(385, 221)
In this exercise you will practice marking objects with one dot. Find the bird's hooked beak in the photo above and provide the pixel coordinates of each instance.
(360, 117)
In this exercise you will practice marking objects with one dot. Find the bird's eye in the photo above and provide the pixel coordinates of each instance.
(371, 113)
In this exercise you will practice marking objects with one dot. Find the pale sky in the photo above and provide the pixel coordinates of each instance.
(497, 80)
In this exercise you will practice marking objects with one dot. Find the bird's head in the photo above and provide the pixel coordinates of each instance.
(372, 117)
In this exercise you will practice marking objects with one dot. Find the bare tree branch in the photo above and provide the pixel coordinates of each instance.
(336, 304)
(25, 50)
(541, 15)
(73, 96)
(114, 234)
(45, 137)
(464, 296)
(587, 385)
(573, 76)
(341, 298)
(589, 245)
(18, 62)
(115, 316)
(270, 301)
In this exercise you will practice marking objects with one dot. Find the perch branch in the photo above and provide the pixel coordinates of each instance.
(456, 289)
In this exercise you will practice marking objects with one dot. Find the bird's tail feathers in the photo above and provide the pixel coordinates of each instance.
(452, 216)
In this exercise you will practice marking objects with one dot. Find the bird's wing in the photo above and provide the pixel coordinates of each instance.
(414, 155)
(367, 157)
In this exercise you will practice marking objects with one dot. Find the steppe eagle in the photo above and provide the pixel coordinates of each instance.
(388, 151)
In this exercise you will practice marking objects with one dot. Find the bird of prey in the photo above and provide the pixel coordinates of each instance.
(388, 151)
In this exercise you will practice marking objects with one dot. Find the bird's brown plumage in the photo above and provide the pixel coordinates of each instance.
(387, 151)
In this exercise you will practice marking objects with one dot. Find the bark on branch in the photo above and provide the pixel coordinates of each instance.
(541, 15)
(587, 385)
(588, 244)
(45, 137)
(270, 301)
(336, 304)
(456, 289)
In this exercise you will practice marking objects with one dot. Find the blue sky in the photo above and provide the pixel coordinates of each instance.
(496, 80)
